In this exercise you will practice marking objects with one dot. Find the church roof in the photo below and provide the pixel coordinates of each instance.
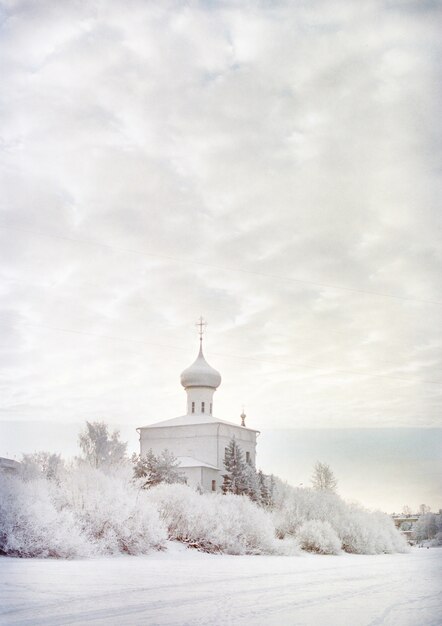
(189, 461)
(200, 373)
(194, 420)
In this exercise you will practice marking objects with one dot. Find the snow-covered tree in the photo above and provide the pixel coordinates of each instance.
(41, 463)
(272, 490)
(88, 511)
(152, 470)
(145, 469)
(253, 487)
(360, 531)
(236, 476)
(424, 509)
(169, 468)
(264, 493)
(241, 477)
(406, 510)
(100, 447)
(266, 489)
(323, 478)
(426, 527)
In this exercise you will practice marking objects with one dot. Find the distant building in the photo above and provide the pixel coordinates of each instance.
(405, 523)
(198, 439)
(8, 465)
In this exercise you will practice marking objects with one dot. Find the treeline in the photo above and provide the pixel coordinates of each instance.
(101, 503)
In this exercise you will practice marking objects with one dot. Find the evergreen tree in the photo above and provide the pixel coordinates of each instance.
(272, 491)
(169, 468)
(253, 489)
(152, 470)
(264, 492)
(235, 478)
(145, 469)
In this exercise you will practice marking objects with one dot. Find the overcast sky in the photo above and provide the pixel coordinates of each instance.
(273, 166)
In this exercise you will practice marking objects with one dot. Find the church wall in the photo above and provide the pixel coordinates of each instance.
(205, 442)
(208, 476)
(198, 441)
(203, 477)
(193, 475)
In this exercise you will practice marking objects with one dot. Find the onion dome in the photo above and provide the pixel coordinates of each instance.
(200, 374)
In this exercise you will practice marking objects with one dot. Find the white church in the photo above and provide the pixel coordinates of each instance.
(199, 439)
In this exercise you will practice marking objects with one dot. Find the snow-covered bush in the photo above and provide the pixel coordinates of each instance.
(318, 536)
(366, 532)
(359, 531)
(82, 510)
(114, 515)
(427, 527)
(215, 522)
(86, 513)
(32, 526)
(437, 540)
(41, 464)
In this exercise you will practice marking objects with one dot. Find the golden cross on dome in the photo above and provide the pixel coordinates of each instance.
(201, 323)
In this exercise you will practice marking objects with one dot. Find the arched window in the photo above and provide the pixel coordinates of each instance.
(210, 408)
(193, 407)
(202, 407)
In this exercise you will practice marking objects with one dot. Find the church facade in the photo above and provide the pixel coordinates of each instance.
(199, 439)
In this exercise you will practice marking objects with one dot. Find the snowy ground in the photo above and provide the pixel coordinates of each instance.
(185, 587)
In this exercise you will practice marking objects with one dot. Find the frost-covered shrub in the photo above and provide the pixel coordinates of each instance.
(216, 522)
(80, 511)
(114, 515)
(85, 513)
(366, 532)
(427, 526)
(360, 531)
(437, 540)
(300, 505)
(32, 526)
(41, 464)
(318, 536)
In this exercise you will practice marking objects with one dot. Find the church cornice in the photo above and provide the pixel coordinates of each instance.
(214, 422)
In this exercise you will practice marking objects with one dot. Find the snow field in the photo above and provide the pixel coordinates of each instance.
(186, 587)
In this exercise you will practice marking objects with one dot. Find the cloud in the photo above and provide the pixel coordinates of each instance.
(272, 166)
